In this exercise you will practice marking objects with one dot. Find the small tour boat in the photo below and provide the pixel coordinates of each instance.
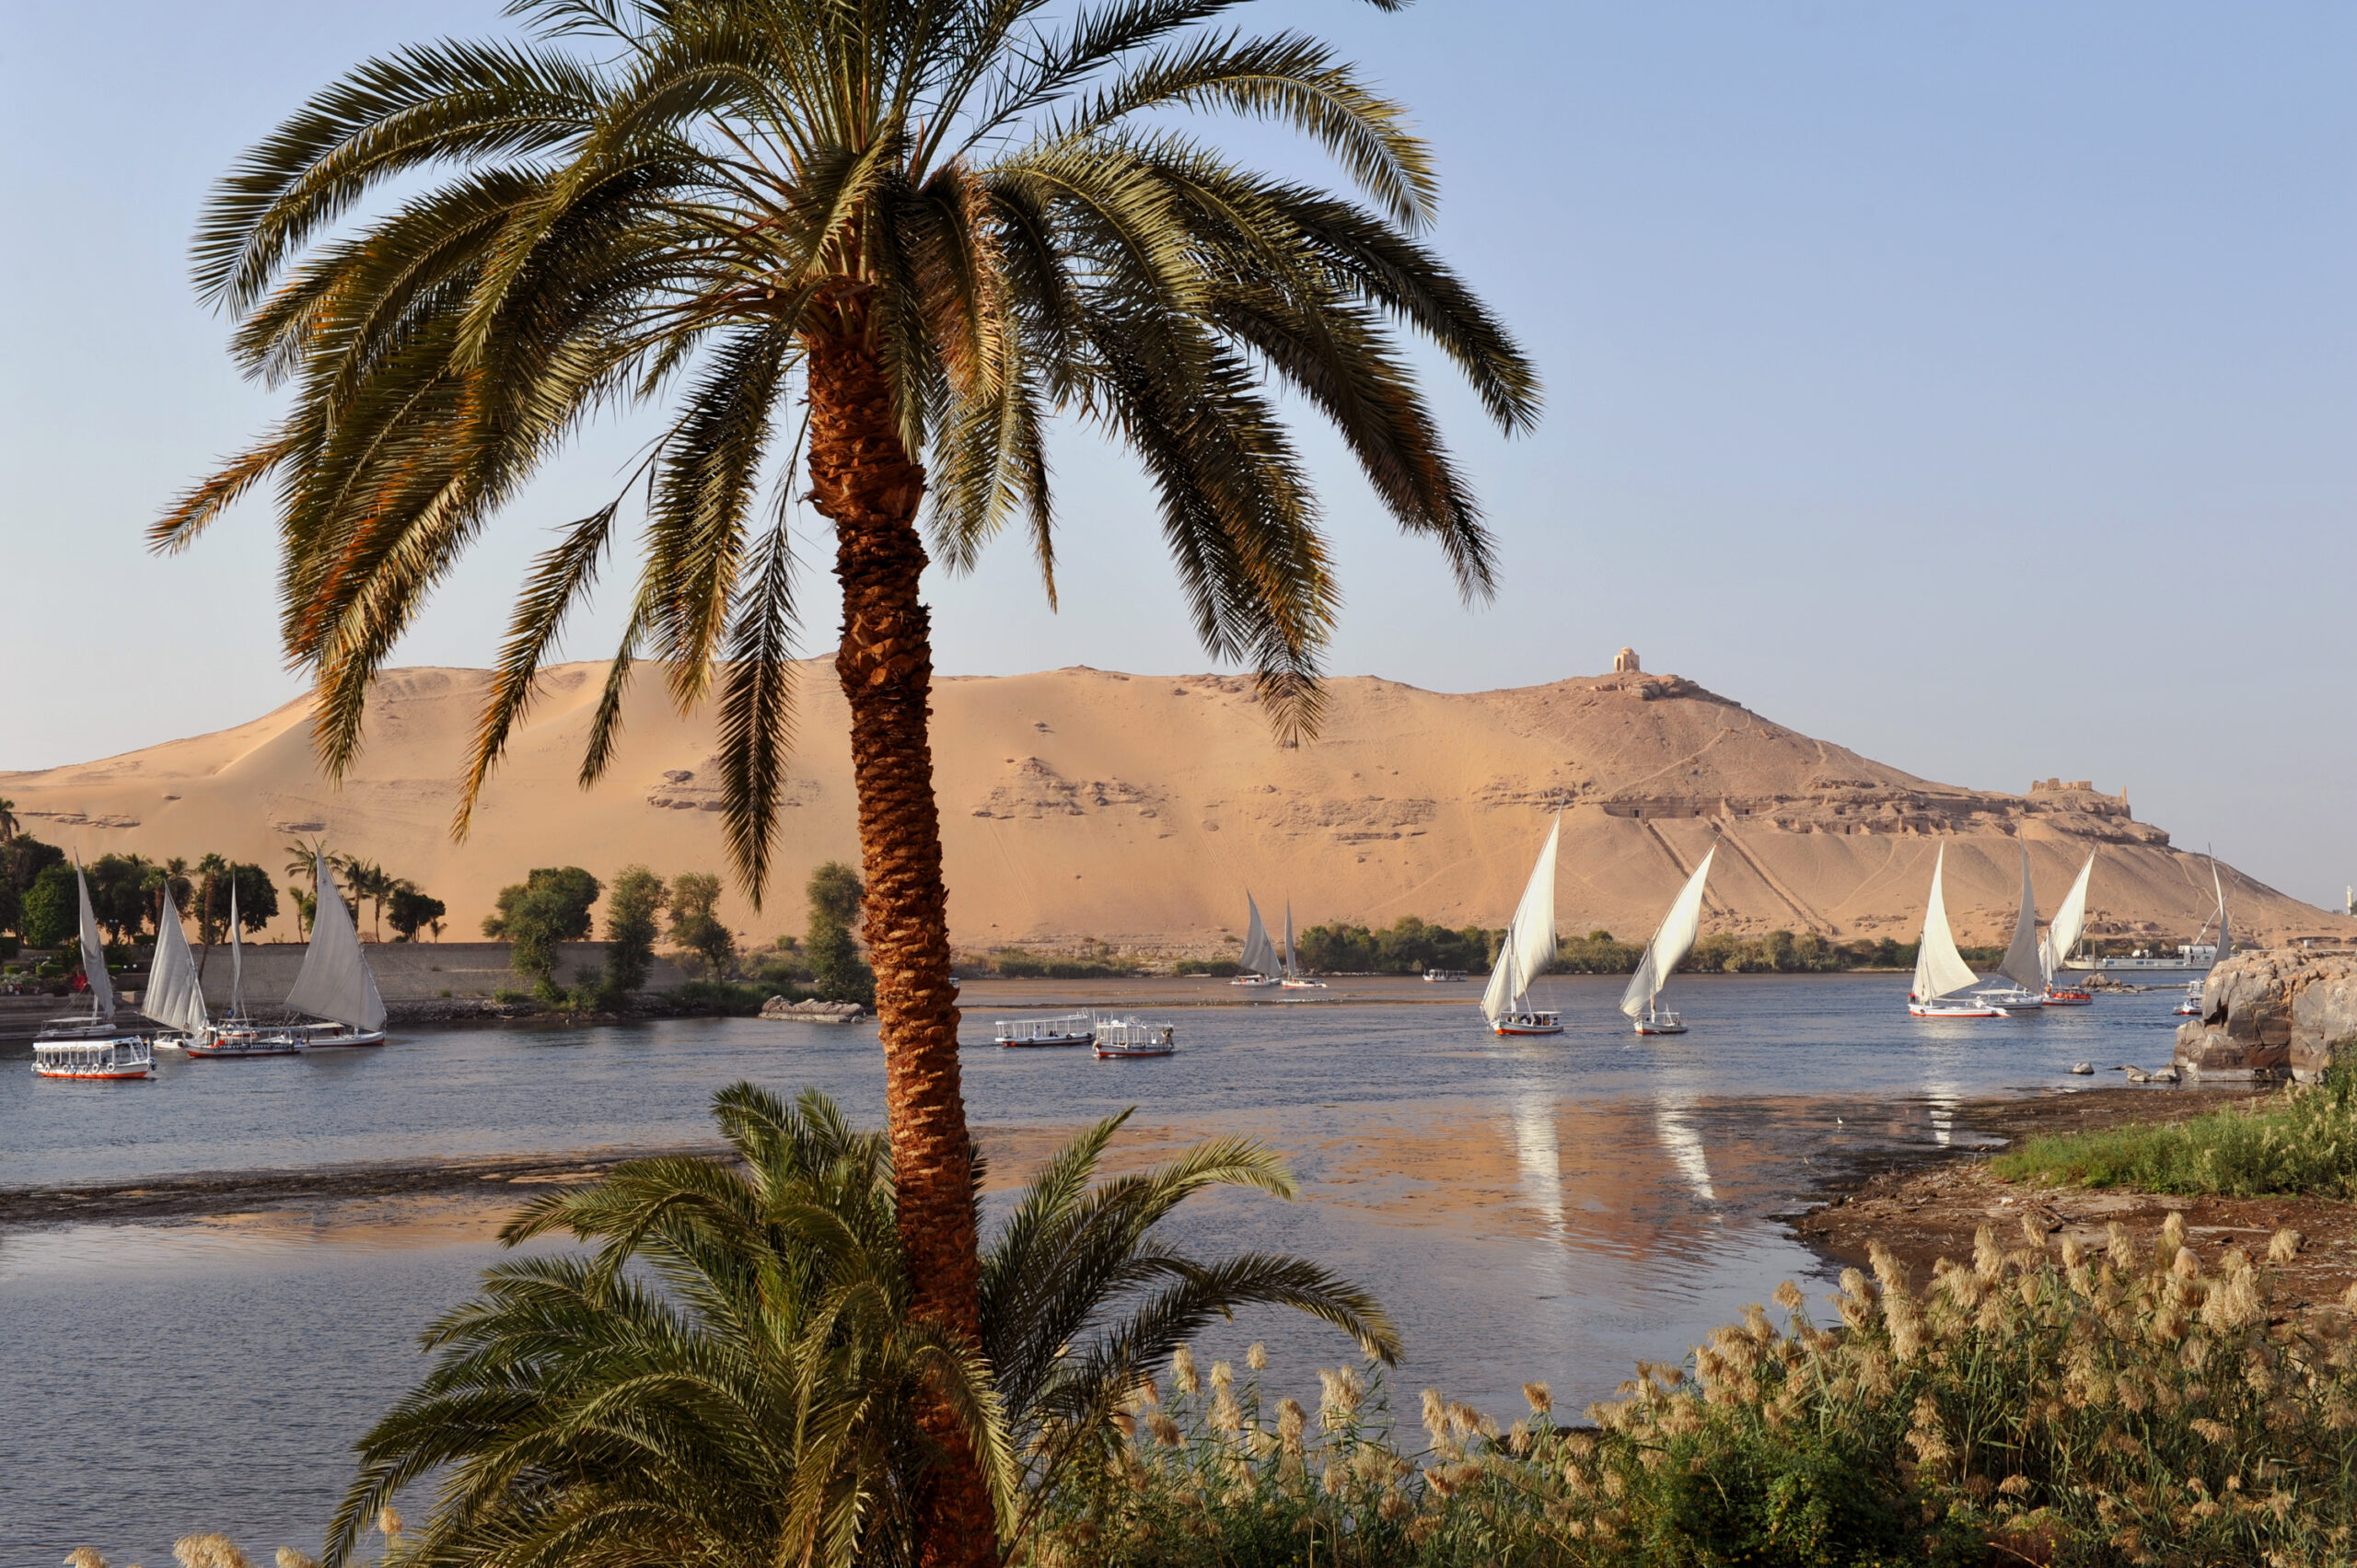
(1663, 954)
(1444, 977)
(2190, 1007)
(82, 1056)
(1134, 1037)
(1069, 1028)
(1527, 950)
(92, 1045)
(2067, 996)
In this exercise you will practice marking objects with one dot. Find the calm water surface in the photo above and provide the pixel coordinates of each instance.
(1546, 1209)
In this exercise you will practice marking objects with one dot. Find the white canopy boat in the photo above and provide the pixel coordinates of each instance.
(175, 996)
(92, 1047)
(335, 982)
(2070, 925)
(1134, 1037)
(1294, 979)
(1663, 954)
(1528, 949)
(1066, 1028)
(237, 1037)
(1261, 964)
(1940, 970)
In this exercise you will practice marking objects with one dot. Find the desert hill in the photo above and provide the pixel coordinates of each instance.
(1084, 803)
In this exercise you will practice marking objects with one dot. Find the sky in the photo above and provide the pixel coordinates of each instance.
(1972, 384)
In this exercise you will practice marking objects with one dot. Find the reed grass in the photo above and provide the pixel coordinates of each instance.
(2128, 1407)
(2301, 1141)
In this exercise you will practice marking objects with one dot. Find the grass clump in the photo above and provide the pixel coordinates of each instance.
(2125, 1407)
(2301, 1141)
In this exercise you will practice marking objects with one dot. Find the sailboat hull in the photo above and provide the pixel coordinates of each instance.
(322, 1036)
(1659, 1026)
(1955, 1010)
(1529, 1024)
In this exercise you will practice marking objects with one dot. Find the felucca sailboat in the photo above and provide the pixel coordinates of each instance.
(1940, 969)
(1528, 949)
(1663, 954)
(2025, 961)
(1261, 964)
(174, 997)
(2070, 925)
(1294, 979)
(2222, 949)
(335, 982)
(236, 1037)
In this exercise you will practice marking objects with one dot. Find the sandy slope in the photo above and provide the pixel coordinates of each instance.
(1084, 803)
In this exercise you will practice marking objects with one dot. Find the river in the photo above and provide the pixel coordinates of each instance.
(1552, 1208)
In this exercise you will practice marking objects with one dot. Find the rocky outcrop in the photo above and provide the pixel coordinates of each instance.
(2269, 1014)
(813, 1012)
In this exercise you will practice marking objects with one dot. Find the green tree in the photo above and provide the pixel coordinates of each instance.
(760, 1404)
(695, 920)
(368, 883)
(52, 913)
(412, 910)
(8, 824)
(119, 894)
(935, 223)
(551, 905)
(303, 866)
(837, 973)
(212, 897)
(173, 876)
(633, 908)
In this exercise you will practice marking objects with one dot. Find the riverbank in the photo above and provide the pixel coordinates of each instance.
(1925, 1205)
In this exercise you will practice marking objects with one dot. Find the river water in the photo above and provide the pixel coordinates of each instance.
(1553, 1208)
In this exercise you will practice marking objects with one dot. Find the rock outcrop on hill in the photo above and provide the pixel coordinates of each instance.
(1085, 804)
(2271, 1013)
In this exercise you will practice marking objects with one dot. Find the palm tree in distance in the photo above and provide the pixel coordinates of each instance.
(747, 1393)
(8, 825)
(303, 866)
(932, 225)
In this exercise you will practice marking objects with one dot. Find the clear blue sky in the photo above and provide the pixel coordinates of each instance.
(1971, 383)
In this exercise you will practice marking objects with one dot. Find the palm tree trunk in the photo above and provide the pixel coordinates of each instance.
(864, 481)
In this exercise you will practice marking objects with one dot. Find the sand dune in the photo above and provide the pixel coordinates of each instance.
(1083, 802)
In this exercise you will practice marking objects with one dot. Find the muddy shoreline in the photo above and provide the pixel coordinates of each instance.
(1926, 1204)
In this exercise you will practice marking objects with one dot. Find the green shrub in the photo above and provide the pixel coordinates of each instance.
(720, 997)
(2303, 1140)
(1410, 945)
(633, 909)
(52, 914)
(837, 972)
(1219, 968)
(1021, 963)
(550, 906)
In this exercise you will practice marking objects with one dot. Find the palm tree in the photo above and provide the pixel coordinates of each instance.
(367, 879)
(752, 1397)
(934, 224)
(171, 875)
(211, 875)
(303, 864)
(7, 820)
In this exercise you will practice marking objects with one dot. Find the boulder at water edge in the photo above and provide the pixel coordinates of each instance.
(2271, 1013)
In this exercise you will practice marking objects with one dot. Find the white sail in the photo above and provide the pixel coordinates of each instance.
(335, 982)
(2070, 921)
(1292, 969)
(1670, 944)
(1939, 968)
(94, 952)
(1529, 945)
(2021, 965)
(2226, 936)
(173, 995)
(1259, 954)
(237, 954)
